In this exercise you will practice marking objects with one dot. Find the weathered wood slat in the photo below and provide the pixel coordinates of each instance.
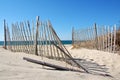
(49, 65)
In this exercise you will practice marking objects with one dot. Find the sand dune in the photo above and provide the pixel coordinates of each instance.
(13, 67)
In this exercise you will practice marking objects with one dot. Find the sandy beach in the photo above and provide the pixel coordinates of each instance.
(13, 67)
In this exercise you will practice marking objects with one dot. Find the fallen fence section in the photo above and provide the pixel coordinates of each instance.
(95, 68)
(41, 40)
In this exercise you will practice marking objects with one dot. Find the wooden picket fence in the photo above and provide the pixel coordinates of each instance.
(41, 40)
(97, 37)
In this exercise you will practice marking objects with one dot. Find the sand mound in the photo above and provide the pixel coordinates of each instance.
(110, 60)
(13, 67)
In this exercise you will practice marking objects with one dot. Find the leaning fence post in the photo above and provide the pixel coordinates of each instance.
(5, 42)
(36, 36)
(96, 39)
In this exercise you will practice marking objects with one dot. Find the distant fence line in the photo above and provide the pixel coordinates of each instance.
(97, 37)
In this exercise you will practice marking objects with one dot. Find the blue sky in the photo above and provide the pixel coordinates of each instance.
(63, 14)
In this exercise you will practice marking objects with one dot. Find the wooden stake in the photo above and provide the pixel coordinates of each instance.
(5, 42)
(72, 35)
(103, 31)
(96, 39)
(111, 34)
(114, 38)
(37, 25)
